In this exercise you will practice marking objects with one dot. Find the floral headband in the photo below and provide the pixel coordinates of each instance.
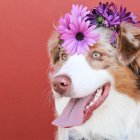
(77, 29)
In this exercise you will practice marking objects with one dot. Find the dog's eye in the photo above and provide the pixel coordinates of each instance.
(64, 57)
(96, 55)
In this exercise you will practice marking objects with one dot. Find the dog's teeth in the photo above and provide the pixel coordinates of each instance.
(95, 98)
(100, 90)
(99, 94)
(87, 107)
(91, 103)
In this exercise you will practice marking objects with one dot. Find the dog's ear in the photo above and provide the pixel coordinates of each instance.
(53, 48)
(128, 46)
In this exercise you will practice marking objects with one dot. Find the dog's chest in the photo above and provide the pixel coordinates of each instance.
(76, 138)
(73, 135)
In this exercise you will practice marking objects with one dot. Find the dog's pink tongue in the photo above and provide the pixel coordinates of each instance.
(73, 114)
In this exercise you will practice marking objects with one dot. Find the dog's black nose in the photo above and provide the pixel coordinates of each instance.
(61, 84)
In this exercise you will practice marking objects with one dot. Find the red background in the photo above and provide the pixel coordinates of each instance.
(26, 109)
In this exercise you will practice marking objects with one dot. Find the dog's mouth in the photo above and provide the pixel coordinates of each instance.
(79, 110)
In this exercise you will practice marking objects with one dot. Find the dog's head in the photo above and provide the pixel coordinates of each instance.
(88, 79)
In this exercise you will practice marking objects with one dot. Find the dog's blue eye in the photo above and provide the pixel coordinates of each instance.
(96, 55)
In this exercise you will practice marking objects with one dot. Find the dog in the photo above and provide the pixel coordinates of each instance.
(97, 95)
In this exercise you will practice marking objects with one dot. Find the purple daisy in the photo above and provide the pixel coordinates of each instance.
(79, 37)
(63, 24)
(104, 15)
(108, 15)
(79, 11)
(75, 32)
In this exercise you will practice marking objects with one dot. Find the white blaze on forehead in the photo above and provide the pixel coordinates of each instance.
(105, 34)
(85, 79)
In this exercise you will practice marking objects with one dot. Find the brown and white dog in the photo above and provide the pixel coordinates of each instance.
(97, 95)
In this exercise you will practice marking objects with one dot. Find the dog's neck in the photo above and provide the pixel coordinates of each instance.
(73, 135)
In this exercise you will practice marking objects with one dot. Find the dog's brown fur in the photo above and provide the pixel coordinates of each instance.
(128, 46)
(126, 82)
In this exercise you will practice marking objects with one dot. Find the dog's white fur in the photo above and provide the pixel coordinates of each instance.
(116, 119)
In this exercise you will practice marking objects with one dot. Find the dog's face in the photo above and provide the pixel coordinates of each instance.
(87, 80)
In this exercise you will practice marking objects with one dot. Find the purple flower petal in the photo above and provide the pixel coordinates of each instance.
(67, 42)
(73, 28)
(67, 36)
(71, 46)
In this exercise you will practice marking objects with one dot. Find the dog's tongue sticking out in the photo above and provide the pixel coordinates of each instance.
(73, 114)
(79, 110)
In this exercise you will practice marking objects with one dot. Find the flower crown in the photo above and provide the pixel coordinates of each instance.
(77, 29)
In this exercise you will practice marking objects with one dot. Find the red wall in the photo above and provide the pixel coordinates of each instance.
(25, 99)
